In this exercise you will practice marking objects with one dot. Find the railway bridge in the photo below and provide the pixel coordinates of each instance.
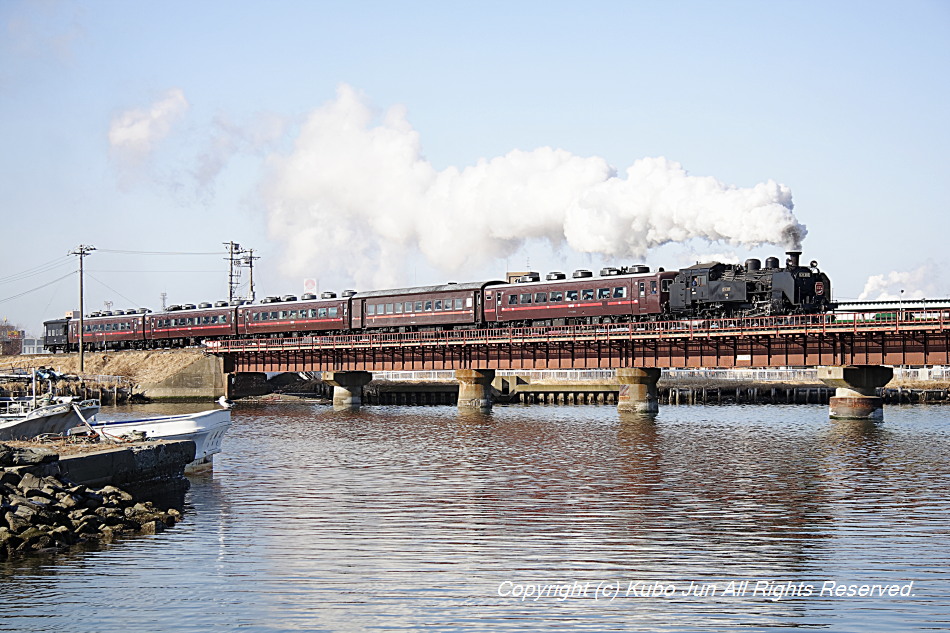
(854, 353)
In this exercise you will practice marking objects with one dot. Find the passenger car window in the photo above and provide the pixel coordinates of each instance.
(620, 293)
(458, 304)
(587, 293)
(512, 300)
(526, 298)
(603, 293)
(572, 295)
(557, 296)
(541, 297)
(438, 304)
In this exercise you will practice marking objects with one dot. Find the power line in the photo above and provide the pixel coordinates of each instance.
(69, 274)
(36, 270)
(131, 302)
(123, 252)
(105, 270)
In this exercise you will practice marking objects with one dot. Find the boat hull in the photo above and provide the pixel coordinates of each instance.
(206, 429)
(54, 419)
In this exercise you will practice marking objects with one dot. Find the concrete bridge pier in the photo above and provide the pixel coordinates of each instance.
(475, 388)
(638, 392)
(855, 390)
(347, 387)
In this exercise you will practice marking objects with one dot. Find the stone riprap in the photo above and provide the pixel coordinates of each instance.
(45, 512)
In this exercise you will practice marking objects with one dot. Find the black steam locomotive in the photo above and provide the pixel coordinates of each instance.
(618, 295)
(723, 290)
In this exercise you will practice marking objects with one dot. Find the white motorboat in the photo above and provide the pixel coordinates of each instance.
(205, 428)
(26, 417)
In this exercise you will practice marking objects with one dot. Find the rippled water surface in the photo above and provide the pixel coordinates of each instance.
(410, 518)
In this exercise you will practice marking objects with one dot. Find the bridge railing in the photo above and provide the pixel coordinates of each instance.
(690, 328)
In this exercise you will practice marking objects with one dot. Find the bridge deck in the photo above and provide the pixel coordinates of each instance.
(921, 337)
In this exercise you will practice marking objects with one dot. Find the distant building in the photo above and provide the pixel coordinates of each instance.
(33, 346)
(11, 340)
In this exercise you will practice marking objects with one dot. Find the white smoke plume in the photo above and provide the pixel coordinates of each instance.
(925, 281)
(134, 133)
(357, 195)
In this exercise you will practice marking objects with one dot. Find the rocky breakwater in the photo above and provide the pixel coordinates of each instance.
(47, 512)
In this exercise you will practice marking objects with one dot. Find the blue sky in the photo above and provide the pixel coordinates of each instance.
(365, 144)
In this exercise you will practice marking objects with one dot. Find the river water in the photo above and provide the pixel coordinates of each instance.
(565, 518)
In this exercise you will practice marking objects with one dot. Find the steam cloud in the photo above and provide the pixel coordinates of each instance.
(133, 134)
(357, 195)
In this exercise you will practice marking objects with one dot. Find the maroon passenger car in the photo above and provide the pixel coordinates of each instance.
(446, 306)
(292, 317)
(109, 330)
(189, 324)
(618, 295)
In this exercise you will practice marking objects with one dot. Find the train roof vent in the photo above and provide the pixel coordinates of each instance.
(528, 278)
(172, 308)
(308, 296)
(637, 269)
(107, 313)
(609, 271)
(329, 294)
(270, 299)
(204, 304)
(288, 298)
(554, 276)
(144, 310)
(220, 304)
(349, 293)
(451, 283)
(239, 302)
(581, 274)
(188, 306)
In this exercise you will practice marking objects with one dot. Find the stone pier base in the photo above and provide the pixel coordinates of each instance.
(855, 391)
(475, 388)
(347, 387)
(638, 390)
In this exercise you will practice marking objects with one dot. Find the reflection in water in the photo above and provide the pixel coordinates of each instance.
(413, 517)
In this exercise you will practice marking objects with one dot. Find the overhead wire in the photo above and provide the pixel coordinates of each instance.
(111, 288)
(50, 283)
(36, 270)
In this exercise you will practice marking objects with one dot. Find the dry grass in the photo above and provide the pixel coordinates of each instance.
(141, 367)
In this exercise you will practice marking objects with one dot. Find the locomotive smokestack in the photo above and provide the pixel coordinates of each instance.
(792, 260)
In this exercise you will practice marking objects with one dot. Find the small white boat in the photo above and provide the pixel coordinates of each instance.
(26, 418)
(205, 429)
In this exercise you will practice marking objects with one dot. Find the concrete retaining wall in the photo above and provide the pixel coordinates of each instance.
(138, 468)
(203, 379)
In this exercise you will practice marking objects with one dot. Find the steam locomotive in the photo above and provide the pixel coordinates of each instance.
(707, 290)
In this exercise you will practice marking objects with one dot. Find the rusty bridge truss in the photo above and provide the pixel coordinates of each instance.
(919, 337)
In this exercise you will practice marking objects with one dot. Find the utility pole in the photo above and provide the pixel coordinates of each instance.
(249, 262)
(234, 271)
(81, 252)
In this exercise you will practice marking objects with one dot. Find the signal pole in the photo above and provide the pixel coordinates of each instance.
(81, 252)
